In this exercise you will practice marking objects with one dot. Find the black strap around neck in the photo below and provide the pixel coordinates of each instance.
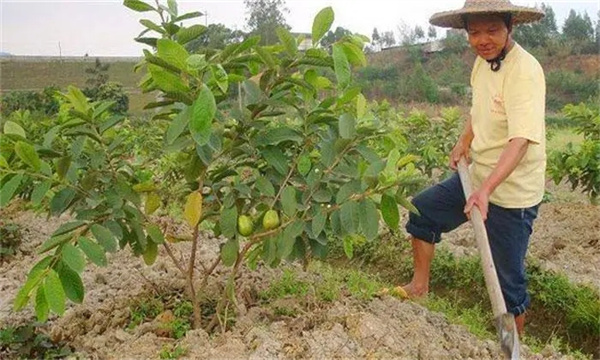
(496, 62)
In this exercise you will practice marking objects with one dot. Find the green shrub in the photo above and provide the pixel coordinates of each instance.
(43, 102)
(580, 166)
(110, 91)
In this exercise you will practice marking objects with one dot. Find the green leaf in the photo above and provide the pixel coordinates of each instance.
(12, 128)
(277, 159)
(187, 34)
(203, 112)
(349, 217)
(72, 284)
(265, 56)
(347, 126)
(369, 219)
(354, 54)
(318, 223)
(61, 201)
(229, 222)
(55, 294)
(151, 253)
(287, 40)
(138, 5)
(24, 293)
(172, 4)
(304, 165)
(187, 16)
(73, 257)
(68, 227)
(156, 234)
(62, 166)
(405, 203)
(53, 242)
(265, 187)
(28, 154)
(40, 192)
(288, 201)
(153, 202)
(322, 196)
(152, 26)
(347, 190)
(286, 242)
(322, 24)
(42, 309)
(278, 135)
(172, 52)
(167, 81)
(341, 66)
(78, 100)
(349, 246)
(197, 61)
(361, 106)
(193, 209)
(220, 76)
(8, 190)
(389, 211)
(229, 251)
(104, 237)
(93, 251)
(3, 162)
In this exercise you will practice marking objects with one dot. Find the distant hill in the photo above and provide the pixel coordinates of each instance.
(5, 54)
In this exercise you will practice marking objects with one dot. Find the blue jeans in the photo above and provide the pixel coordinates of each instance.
(441, 207)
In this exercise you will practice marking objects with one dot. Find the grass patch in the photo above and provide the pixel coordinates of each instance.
(562, 314)
(473, 318)
(559, 137)
(29, 342)
(169, 352)
(287, 285)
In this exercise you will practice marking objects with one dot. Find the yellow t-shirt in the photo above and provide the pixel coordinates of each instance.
(508, 104)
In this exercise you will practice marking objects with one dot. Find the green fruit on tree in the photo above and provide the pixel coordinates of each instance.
(245, 226)
(271, 220)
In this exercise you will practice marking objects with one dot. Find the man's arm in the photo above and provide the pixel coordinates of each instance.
(462, 145)
(509, 159)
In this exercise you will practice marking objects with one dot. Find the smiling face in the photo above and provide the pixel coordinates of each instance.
(488, 35)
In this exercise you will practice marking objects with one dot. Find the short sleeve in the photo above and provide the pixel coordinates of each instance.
(525, 102)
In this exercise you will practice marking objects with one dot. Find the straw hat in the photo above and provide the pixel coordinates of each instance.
(454, 19)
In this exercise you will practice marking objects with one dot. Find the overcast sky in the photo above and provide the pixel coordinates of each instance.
(107, 28)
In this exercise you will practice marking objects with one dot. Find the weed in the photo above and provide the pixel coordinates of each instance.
(144, 310)
(287, 285)
(473, 317)
(10, 239)
(29, 342)
(169, 352)
(361, 285)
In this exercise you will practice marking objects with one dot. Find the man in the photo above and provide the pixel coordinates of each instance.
(504, 139)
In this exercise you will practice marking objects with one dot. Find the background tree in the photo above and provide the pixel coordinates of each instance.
(333, 36)
(539, 33)
(264, 17)
(579, 31)
(432, 33)
(388, 39)
(376, 39)
(419, 33)
(217, 36)
(98, 74)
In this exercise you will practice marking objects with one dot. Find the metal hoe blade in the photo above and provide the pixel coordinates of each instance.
(508, 335)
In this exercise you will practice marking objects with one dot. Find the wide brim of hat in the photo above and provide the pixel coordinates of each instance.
(454, 19)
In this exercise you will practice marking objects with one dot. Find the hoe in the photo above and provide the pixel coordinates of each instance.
(505, 321)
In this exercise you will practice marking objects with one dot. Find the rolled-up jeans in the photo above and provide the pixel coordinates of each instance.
(441, 209)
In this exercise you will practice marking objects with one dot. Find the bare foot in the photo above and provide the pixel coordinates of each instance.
(415, 291)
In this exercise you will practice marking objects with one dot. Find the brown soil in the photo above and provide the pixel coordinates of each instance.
(350, 329)
(566, 239)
